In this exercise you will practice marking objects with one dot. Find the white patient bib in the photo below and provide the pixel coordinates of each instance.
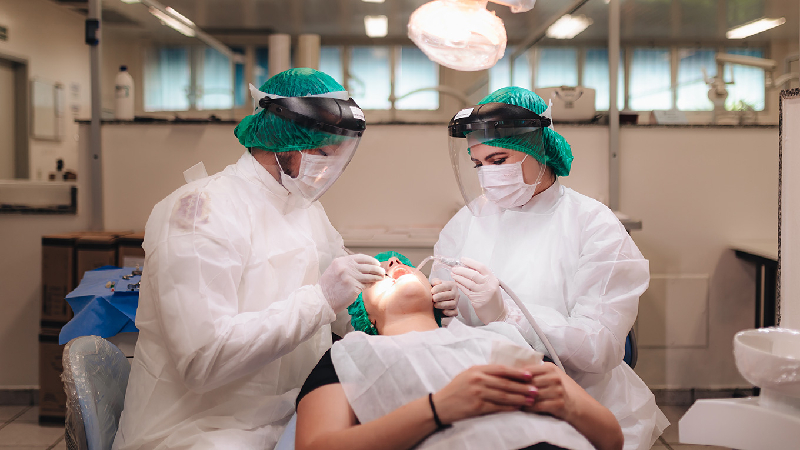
(381, 373)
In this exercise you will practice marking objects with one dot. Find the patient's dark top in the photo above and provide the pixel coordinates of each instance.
(324, 373)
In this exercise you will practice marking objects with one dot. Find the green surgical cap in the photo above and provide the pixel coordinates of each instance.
(358, 313)
(547, 146)
(275, 134)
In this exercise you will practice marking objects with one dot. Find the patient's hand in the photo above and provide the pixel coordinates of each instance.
(558, 394)
(482, 390)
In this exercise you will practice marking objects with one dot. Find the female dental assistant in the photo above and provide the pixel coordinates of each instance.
(564, 254)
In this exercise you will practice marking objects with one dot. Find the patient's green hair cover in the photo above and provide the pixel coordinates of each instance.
(358, 313)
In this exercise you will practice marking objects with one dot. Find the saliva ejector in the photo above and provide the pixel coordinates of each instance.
(450, 262)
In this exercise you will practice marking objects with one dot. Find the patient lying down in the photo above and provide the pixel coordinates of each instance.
(490, 390)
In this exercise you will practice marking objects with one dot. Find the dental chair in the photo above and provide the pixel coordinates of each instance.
(631, 349)
(95, 378)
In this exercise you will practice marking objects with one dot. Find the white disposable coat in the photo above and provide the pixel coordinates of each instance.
(382, 373)
(579, 273)
(231, 319)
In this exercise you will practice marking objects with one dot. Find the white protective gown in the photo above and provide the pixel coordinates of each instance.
(231, 319)
(579, 273)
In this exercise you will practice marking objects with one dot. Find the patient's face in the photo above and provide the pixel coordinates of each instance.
(404, 290)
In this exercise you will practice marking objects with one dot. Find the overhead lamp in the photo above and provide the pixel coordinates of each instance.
(376, 26)
(373, 1)
(172, 22)
(567, 27)
(754, 27)
(180, 16)
(462, 34)
(130, 1)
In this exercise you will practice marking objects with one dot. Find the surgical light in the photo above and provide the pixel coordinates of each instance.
(754, 27)
(376, 26)
(462, 34)
(567, 27)
(172, 22)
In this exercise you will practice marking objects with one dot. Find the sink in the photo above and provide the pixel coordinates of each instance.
(770, 359)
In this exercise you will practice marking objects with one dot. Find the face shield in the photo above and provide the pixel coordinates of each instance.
(330, 126)
(489, 146)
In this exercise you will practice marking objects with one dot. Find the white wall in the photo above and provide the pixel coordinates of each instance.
(56, 53)
(697, 190)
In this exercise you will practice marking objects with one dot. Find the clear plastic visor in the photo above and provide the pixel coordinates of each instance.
(466, 163)
(318, 169)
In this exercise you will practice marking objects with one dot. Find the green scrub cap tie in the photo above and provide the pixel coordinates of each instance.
(358, 313)
(546, 145)
(275, 134)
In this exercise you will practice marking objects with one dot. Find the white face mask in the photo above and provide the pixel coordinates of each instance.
(314, 173)
(505, 186)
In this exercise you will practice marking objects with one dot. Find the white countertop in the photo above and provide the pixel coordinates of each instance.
(765, 248)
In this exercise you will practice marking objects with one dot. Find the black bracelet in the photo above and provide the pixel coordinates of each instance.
(439, 424)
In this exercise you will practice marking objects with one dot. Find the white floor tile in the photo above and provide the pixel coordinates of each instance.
(23, 447)
(31, 434)
(30, 416)
(674, 414)
(695, 447)
(7, 412)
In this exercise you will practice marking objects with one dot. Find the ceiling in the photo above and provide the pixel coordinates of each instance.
(656, 21)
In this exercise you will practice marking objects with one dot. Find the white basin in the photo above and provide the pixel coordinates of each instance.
(770, 359)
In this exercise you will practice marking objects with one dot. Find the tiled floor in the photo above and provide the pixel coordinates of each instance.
(20, 429)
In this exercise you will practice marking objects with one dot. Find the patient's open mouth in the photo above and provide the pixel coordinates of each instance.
(399, 272)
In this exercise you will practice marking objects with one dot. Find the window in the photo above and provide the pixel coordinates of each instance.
(748, 88)
(692, 90)
(169, 84)
(167, 79)
(261, 70)
(240, 91)
(330, 62)
(653, 84)
(498, 74)
(651, 80)
(557, 67)
(595, 75)
(370, 77)
(415, 71)
(215, 86)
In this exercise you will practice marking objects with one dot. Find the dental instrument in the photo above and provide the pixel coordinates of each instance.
(451, 262)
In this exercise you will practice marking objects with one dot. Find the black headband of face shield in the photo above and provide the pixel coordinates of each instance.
(491, 116)
(330, 115)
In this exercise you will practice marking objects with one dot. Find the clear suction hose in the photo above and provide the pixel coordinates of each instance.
(454, 262)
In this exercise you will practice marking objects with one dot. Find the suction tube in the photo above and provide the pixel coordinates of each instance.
(454, 262)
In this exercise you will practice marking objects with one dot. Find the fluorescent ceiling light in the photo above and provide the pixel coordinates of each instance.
(755, 27)
(373, 1)
(376, 26)
(170, 21)
(567, 27)
(130, 1)
(180, 16)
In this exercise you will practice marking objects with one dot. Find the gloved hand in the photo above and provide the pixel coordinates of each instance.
(347, 276)
(445, 296)
(483, 289)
